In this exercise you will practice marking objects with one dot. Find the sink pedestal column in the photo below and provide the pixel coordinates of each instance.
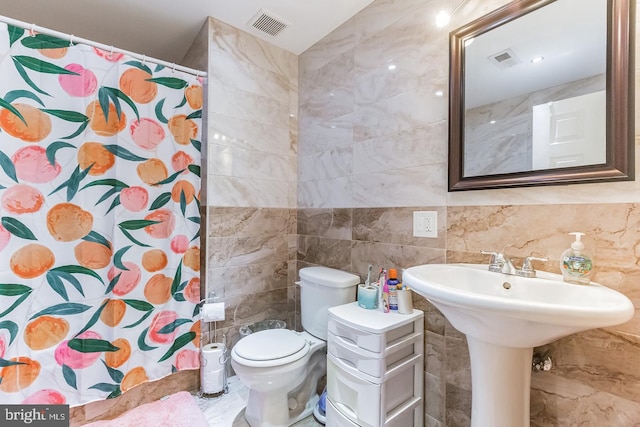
(501, 383)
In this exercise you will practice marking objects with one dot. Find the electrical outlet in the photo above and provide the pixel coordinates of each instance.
(425, 224)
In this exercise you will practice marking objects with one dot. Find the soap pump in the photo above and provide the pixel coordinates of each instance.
(575, 263)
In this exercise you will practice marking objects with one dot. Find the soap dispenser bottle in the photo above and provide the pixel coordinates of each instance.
(575, 263)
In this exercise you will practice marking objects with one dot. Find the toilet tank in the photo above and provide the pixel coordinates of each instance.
(320, 289)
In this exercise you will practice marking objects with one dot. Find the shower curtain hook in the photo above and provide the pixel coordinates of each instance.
(144, 59)
(71, 40)
(32, 32)
(173, 69)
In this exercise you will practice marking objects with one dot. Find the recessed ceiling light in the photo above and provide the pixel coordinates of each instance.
(392, 66)
(537, 59)
(439, 93)
(492, 122)
(442, 19)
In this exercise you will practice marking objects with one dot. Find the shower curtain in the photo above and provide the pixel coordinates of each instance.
(99, 220)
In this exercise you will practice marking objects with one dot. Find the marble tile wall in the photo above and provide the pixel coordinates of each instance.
(252, 128)
(351, 239)
(251, 179)
(372, 149)
(252, 265)
(369, 136)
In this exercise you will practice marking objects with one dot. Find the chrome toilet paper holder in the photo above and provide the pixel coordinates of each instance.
(209, 299)
(214, 316)
(222, 361)
(224, 357)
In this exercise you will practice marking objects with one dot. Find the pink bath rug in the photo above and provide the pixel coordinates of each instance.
(177, 410)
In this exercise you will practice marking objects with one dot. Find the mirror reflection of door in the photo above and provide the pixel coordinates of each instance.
(570, 132)
(550, 55)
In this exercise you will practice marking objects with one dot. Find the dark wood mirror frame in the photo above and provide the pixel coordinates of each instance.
(620, 78)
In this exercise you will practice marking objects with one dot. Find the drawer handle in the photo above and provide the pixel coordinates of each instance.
(348, 367)
(347, 410)
(347, 362)
(404, 340)
(347, 340)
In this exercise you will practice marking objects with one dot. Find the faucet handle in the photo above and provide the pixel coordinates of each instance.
(497, 260)
(527, 265)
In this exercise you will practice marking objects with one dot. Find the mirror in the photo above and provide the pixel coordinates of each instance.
(542, 93)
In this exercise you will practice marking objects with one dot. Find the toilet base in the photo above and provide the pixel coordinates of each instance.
(308, 409)
(282, 408)
(281, 420)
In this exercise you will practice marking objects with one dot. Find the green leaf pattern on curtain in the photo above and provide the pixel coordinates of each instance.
(99, 218)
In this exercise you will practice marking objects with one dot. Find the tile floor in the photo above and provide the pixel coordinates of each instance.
(228, 410)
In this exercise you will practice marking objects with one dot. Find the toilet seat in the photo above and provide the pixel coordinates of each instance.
(272, 347)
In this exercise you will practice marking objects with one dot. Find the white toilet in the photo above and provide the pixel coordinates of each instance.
(282, 367)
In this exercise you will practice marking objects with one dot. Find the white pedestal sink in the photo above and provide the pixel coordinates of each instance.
(504, 317)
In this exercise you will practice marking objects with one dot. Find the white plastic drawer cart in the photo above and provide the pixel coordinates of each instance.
(374, 368)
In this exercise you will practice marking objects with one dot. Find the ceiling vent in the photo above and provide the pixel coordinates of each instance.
(268, 22)
(505, 59)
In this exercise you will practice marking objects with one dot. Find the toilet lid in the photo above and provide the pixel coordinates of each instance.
(269, 345)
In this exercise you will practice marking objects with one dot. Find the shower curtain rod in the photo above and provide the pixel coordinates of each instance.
(74, 40)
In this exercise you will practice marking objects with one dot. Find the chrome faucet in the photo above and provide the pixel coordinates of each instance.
(501, 264)
(527, 266)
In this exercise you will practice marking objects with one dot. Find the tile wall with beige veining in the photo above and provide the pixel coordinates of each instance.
(369, 136)
(372, 147)
(252, 265)
(253, 92)
(252, 172)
